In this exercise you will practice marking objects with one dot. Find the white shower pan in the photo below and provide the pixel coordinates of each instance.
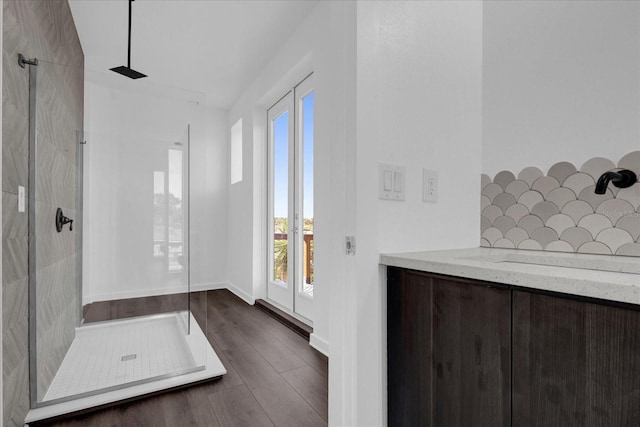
(123, 359)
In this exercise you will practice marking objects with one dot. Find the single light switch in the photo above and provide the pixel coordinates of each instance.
(398, 184)
(21, 198)
(388, 179)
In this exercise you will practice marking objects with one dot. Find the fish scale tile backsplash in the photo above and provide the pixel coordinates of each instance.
(560, 211)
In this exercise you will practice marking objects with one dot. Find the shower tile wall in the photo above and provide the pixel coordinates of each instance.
(559, 210)
(43, 29)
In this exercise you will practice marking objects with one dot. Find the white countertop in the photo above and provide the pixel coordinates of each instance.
(608, 277)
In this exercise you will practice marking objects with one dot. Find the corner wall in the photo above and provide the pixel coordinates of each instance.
(45, 30)
(419, 89)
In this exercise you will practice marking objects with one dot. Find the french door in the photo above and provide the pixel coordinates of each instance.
(290, 230)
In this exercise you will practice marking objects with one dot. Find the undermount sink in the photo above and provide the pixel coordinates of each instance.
(561, 260)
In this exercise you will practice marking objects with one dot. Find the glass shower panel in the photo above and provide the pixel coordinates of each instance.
(128, 320)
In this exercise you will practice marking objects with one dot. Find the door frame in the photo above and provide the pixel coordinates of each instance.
(290, 297)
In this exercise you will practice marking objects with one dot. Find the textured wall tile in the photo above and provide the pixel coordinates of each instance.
(630, 224)
(561, 171)
(504, 178)
(559, 246)
(504, 201)
(492, 234)
(530, 245)
(561, 196)
(545, 184)
(492, 190)
(529, 175)
(517, 235)
(595, 223)
(560, 211)
(530, 199)
(630, 249)
(588, 195)
(577, 209)
(544, 236)
(596, 167)
(484, 180)
(504, 243)
(545, 210)
(517, 188)
(576, 237)
(484, 223)
(504, 224)
(492, 212)
(530, 223)
(595, 248)
(43, 29)
(614, 238)
(578, 182)
(517, 211)
(631, 195)
(560, 222)
(631, 161)
(484, 202)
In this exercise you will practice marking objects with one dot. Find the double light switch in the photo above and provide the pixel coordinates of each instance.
(391, 182)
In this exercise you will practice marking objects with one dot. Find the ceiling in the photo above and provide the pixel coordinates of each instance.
(212, 46)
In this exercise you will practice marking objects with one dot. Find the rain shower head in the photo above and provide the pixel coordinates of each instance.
(128, 71)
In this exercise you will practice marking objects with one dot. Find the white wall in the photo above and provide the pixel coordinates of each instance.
(130, 126)
(419, 89)
(560, 82)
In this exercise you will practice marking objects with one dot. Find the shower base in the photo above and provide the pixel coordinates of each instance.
(119, 360)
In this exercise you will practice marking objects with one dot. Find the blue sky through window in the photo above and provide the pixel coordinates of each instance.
(281, 158)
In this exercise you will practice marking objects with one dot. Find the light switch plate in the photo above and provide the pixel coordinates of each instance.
(391, 182)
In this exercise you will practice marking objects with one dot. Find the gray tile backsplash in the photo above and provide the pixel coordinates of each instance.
(560, 211)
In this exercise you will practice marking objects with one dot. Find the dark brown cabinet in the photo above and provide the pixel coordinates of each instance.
(448, 351)
(468, 353)
(575, 363)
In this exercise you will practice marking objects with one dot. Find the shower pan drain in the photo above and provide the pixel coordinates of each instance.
(128, 357)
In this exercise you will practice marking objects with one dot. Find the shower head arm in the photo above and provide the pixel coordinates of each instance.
(129, 37)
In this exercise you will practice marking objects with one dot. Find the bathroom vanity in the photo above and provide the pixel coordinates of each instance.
(490, 337)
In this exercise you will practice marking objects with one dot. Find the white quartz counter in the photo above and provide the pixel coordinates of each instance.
(614, 278)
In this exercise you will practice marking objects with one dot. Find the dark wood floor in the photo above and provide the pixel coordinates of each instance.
(273, 376)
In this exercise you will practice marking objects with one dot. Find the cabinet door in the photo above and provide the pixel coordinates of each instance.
(574, 363)
(409, 348)
(471, 330)
(448, 352)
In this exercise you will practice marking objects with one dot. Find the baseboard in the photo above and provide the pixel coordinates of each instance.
(209, 286)
(319, 344)
(152, 292)
(241, 294)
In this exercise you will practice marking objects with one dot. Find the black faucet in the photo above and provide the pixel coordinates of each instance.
(621, 178)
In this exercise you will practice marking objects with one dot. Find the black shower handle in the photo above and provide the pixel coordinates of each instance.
(61, 220)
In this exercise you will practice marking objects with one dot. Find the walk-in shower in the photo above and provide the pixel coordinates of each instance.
(111, 313)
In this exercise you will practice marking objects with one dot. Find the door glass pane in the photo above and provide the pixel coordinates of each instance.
(280, 197)
(307, 192)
